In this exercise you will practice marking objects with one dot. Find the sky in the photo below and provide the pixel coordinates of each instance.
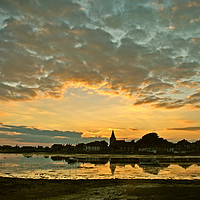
(73, 70)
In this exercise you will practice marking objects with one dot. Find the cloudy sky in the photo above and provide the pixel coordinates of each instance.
(73, 70)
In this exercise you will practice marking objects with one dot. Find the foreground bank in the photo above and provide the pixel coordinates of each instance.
(12, 188)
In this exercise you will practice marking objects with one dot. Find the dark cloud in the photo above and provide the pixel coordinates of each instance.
(28, 134)
(36, 131)
(158, 87)
(147, 100)
(185, 129)
(169, 105)
(168, 102)
(147, 49)
(194, 98)
(134, 129)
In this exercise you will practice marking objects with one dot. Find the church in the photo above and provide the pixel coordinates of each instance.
(121, 146)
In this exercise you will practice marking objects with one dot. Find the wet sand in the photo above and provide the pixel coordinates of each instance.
(25, 189)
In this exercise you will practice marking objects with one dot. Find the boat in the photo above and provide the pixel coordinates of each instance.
(72, 159)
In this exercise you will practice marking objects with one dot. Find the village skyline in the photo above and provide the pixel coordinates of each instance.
(150, 143)
(77, 69)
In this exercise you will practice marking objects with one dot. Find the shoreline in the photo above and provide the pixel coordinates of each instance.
(16, 188)
(104, 154)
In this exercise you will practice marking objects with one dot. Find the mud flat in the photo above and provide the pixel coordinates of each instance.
(14, 188)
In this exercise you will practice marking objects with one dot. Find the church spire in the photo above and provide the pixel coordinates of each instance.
(112, 138)
(113, 134)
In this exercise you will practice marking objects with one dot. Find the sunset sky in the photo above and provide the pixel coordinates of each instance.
(73, 70)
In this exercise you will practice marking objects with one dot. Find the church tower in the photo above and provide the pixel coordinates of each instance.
(112, 138)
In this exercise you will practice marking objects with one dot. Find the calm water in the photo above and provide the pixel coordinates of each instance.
(96, 167)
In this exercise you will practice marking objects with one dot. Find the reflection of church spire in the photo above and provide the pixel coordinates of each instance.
(112, 138)
(112, 168)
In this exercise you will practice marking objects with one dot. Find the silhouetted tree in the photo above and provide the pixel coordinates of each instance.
(152, 139)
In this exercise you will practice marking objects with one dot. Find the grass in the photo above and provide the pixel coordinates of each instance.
(26, 189)
(166, 191)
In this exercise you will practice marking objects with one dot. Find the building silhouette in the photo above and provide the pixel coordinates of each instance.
(120, 146)
(112, 138)
(150, 143)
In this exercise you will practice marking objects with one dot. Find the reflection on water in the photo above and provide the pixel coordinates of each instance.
(97, 167)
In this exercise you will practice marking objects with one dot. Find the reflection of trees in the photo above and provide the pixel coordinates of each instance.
(185, 165)
(133, 165)
(153, 169)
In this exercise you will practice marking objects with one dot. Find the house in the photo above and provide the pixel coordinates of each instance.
(97, 146)
(183, 146)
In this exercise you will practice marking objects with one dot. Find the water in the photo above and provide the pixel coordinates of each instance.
(98, 167)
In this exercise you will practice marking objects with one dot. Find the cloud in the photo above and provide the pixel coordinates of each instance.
(169, 105)
(194, 98)
(134, 129)
(158, 87)
(138, 48)
(147, 100)
(185, 129)
(189, 84)
(26, 134)
(168, 102)
(36, 131)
